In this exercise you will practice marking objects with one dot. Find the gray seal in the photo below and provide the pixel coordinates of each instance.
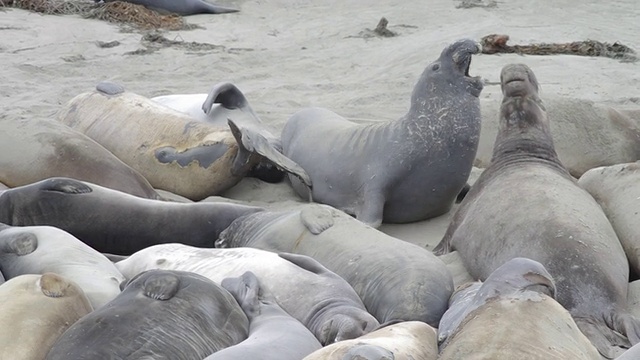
(159, 315)
(273, 333)
(516, 275)
(113, 222)
(617, 189)
(321, 300)
(526, 204)
(402, 171)
(40, 249)
(513, 315)
(182, 7)
(396, 280)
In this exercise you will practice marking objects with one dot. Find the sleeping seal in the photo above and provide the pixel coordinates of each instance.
(182, 7)
(37, 149)
(170, 149)
(526, 204)
(273, 334)
(401, 171)
(113, 222)
(42, 249)
(159, 315)
(226, 103)
(396, 280)
(36, 310)
(318, 298)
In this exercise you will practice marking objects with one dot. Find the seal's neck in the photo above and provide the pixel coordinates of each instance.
(525, 145)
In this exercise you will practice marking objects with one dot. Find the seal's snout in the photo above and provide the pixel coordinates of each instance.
(460, 53)
(518, 80)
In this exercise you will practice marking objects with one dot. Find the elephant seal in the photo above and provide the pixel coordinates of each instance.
(406, 340)
(617, 189)
(402, 171)
(224, 103)
(171, 150)
(159, 315)
(586, 134)
(551, 220)
(35, 149)
(408, 282)
(42, 249)
(273, 333)
(36, 310)
(113, 222)
(321, 300)
(631, 354)
(513, 316)
(182, 7)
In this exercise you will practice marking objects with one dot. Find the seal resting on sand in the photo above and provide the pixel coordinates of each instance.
(182, 7)
(396, 280)
(170, 149)
(36, 310)
(402, 171)
(159, 315)
(526, 204)
(113, 222)
(37, 149)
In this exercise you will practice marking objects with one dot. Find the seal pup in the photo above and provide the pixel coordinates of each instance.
(273, 333)
(170, 149)
(551, 220)
(113, 222)
(406, 340)
(402, 171)
(409, 282)
(37, 149)
(617, 189)
(321, 300)
(36, 310)
(224, 103)
(182, 7)
(159, 315)
(42, 249)
(513, 315)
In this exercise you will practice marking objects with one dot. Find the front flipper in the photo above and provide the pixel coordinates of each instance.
(251, 138)
(305, 262)
(368, 352)
(245, 289)
(65, 185)
(161, 285)
(53, 285)
(316, 218)
(372, 209)
(603, 337)
(21, 243)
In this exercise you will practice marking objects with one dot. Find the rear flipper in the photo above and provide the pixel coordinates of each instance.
(246, 290)
(618, 330)
(251, 139)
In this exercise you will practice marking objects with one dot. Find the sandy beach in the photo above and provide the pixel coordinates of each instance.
(286, 55)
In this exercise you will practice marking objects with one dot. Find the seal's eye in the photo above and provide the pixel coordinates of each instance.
(435, 67)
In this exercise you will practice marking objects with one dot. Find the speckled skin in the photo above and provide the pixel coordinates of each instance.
(401, 171)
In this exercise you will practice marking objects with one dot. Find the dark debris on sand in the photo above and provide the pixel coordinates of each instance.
(155, 41)
(123, 13)
(494, 44)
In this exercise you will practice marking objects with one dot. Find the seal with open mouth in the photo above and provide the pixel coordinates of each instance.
(400, 171)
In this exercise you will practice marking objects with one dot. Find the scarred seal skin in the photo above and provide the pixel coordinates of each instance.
(400, 171)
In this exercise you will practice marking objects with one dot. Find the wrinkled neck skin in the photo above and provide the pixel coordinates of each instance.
(334, 313)
(524, 134)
